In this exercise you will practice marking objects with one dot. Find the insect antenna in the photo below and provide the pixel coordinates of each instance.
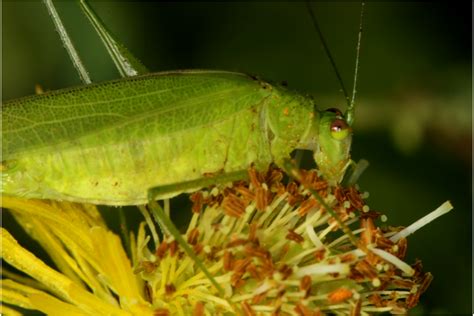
(350, 101)
(350, 109)
(67, 42)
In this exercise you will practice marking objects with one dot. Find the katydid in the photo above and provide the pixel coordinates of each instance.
(109, 143)
(154, 136)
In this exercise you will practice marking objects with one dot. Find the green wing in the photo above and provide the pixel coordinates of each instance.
(132, 108)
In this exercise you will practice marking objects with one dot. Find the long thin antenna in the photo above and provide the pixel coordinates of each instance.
(351, 109)
(73, 54)
(328, 52)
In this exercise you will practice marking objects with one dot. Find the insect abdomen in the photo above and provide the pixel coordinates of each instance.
(113, 167)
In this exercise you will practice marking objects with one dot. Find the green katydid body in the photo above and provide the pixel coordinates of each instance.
(109, 143)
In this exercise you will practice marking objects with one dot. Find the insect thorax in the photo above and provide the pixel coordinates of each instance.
(291, 118)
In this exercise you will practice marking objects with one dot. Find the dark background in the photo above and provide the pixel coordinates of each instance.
(413, 120)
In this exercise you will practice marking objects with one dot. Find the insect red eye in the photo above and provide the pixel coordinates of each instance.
(339, 129)
(335, 111)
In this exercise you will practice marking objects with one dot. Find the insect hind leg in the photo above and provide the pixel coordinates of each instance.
(169, 190)
(167, 225)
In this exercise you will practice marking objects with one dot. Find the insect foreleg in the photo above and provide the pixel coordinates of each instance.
(298, 158)
(356, 171)
(293, 172)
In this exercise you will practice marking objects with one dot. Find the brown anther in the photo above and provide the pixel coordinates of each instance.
(285, 271)
(257, 252)
(356, 275)
(319, 254)
(354, 197)
(268, 266)
(279, 189)
(161, 250)
(418, 267)
(402, 248)
(173, 246)
(214, 199)
(339, 194)
(212, 255)
(233, 206)
(198, 201)
(245, 192)
(274, 177)
(148, 266)
(281, 292)
(198, 309)
(293, 236)
(253, 233)
(308, 176)
(259, 298)
(294, 196)
(254, 273)
(403, 284)
(376, 300)
(236, 280)
(339, 295)
(305, 283)
(193, 236)
(356, 308)
(237, 242)
(302, 310)
(311, 180)
(277, 308)
(170, 289)
(366, 269)
(262, 196)
(307, 205)
(248, 311)
(370, 214)
(372, 259)
(427, 278)
(241, 264)
(348, 257)
(197, 248)
(148, 292)
(413, 299)
(323, 193)
(321, 186)
(228, 261)
(161, 312)
(367, 236)
(383, 242)
(255, 178)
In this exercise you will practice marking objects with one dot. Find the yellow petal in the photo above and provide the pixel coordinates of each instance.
(30, 298)
(59, 284)
(7, 311)
(16, 294)
(54, 307)
(115, 267)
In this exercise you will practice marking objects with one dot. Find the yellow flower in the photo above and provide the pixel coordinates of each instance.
(271, 248)
(92, 267)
